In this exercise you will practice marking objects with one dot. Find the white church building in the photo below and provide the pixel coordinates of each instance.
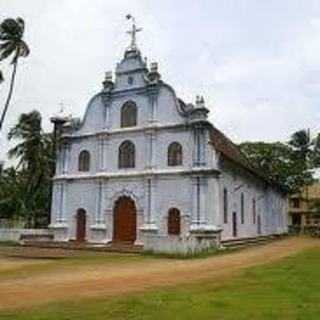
(144, 167)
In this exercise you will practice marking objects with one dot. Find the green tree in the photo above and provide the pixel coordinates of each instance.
(35, 167)
(12, 44)
(288, 164)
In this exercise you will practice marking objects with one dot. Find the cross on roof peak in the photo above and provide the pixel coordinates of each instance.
(133, 32)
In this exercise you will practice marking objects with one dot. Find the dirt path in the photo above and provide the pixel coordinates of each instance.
(115, 279)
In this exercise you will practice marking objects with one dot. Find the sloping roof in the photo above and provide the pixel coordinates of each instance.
(232, 152)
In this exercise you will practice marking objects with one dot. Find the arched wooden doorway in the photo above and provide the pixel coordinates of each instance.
(81, 225)
(174, 223)
(124, 220)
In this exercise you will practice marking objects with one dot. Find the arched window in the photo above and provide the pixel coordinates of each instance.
(174, 221)
(129, 115)
(127, 155)
(84, 161)
(175, 154)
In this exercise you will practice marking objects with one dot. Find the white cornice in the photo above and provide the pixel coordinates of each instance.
(109, 132)
(135, 174)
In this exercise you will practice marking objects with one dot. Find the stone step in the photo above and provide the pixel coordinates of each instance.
(244, 242)
(73, 245)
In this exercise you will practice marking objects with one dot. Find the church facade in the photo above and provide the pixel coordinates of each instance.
(143, 167)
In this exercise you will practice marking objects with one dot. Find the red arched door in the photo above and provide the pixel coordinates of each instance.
(81, 225)
(124, 220)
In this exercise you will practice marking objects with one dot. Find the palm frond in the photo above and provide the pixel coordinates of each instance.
(6, 53)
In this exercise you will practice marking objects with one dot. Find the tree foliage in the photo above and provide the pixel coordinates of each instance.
(289, 164)
(25, 191)
(12, 45)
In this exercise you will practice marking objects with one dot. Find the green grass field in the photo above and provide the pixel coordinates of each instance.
(288, 289)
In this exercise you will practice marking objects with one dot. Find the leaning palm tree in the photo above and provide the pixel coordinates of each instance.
(12, 44)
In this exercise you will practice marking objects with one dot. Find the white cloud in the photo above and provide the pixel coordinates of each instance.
(257, 63)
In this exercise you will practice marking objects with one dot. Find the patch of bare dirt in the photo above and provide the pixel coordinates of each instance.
(136, 276)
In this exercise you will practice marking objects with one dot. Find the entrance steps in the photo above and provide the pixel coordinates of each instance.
(121, 247)
(237, 243)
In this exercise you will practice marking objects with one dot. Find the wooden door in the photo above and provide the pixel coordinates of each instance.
(234, 224)
(124, 220)
(174, 221)
(81, 225)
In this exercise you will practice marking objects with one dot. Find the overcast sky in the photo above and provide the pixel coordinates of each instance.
(257, 63)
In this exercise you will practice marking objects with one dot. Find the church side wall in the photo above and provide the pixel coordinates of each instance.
(270, 205)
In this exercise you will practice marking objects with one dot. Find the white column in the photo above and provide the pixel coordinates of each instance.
(153, 153)
(107, 117)
(199, 200)
(203, 200)
(100, 153)
(154, 107)
(149, 214)
(150, 149)
(62, 202)
(149, 201)
(200, 145)
(98, 215)
(106, 112)
(63, 154)
(67, 155)
(196, 200)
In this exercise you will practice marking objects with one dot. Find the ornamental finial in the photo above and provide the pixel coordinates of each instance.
(133, 32)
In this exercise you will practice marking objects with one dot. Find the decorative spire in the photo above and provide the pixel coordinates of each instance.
(133, 32)
(108, 83)
(199, 113)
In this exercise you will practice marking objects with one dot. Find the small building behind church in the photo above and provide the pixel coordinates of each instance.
(144, 167)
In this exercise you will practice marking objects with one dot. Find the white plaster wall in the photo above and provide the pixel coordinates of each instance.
(168, 192)
(173, 192)
(270, 205)
(93, 118)
(91, 145)
(163, 138)
(178, 245)
(167, 109)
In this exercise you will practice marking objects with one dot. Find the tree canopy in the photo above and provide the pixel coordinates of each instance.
(289, 164)
(12, 45)
(25, 191)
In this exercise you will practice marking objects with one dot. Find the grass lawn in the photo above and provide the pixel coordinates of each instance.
(288, 289)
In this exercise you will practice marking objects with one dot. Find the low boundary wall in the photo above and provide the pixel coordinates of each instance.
(15, 234)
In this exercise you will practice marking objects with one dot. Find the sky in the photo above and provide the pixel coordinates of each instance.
(256, 63)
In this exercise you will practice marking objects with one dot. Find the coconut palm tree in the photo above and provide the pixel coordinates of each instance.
(302, 144)
(12, 44)
(33, 151)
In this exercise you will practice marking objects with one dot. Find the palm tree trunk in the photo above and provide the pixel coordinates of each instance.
(6, 106)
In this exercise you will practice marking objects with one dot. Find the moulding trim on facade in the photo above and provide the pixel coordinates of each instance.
(132, 174)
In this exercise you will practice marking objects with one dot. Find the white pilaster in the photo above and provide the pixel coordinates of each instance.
(149, 218)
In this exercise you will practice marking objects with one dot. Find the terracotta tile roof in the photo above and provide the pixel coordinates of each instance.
(232, 152)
